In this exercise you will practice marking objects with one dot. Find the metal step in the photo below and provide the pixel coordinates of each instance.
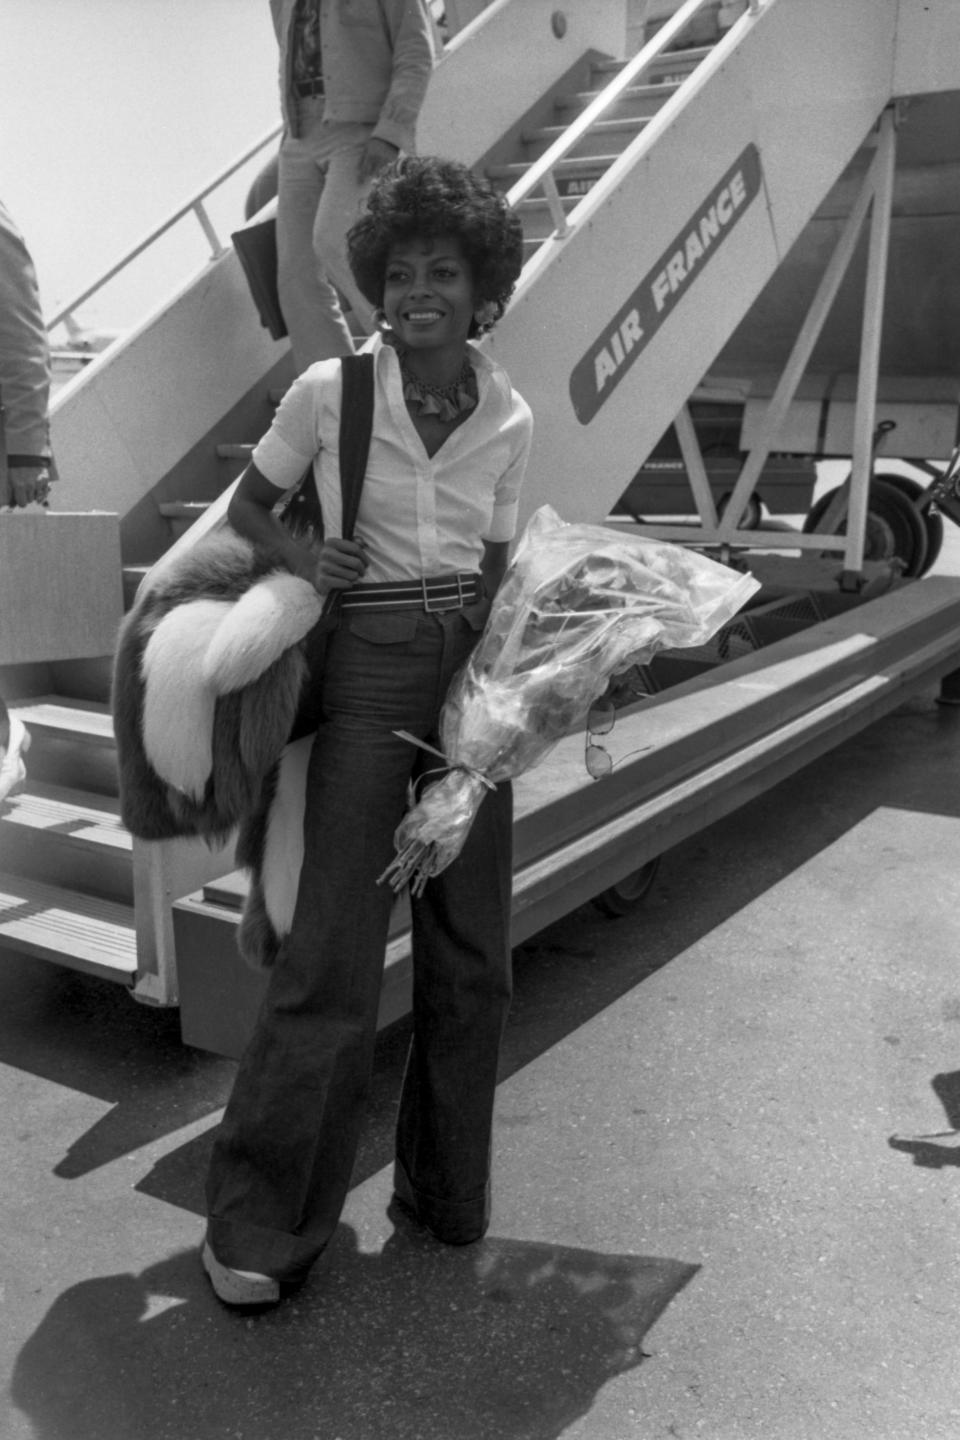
(67, 837)
(632, 103)
(663, 78)
(183, 509)
(133, 576)
(78, 931)
(578, 168)
(610, 136)
(673, 63)
(233, 458)
(85, 722)
(72, 742)
(645, 96)
(537, 219)
(655, 94)
(180, 514)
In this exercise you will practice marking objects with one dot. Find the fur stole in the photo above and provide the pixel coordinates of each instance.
(208, 678)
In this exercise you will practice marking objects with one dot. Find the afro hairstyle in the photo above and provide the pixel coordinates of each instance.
(423, 196)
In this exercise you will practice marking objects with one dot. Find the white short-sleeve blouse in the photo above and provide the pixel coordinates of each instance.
(419, 515)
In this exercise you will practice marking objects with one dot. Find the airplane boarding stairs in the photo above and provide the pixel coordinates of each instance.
(677, 208)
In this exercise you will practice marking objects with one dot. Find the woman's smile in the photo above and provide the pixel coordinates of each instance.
(423, 317)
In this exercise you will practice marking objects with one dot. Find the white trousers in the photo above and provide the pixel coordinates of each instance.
(318, 199)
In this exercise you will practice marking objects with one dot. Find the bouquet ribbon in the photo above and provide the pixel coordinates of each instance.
(450, 764)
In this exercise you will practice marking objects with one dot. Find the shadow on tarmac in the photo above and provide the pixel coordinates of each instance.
(926, 1153)
(502, 1340)
(88, 1035)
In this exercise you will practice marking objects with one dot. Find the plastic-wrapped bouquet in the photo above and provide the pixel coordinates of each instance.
(578, 605)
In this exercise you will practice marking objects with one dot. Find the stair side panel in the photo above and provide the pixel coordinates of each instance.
(579, 291)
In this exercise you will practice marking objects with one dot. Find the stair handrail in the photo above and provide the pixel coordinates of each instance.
(195, 205)
(540, 173)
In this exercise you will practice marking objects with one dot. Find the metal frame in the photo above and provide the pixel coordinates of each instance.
(875, 196)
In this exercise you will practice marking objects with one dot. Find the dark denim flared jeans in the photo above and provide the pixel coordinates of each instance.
(284, 1152)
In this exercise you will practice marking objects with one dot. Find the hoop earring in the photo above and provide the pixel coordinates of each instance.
(485, 317)
(381, 322)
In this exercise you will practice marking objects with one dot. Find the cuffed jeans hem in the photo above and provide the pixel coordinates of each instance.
(286, 1258)
(454, 1222)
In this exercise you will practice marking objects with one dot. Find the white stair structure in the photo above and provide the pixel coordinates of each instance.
(662, 186)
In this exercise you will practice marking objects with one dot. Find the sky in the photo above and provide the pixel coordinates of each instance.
(112, 114)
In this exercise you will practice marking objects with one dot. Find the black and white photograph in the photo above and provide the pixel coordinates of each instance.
(480, 720)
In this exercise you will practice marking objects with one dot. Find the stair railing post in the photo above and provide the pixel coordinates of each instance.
(554, 203)
(153, 897)
(163, 872)
(66, 314)
(798, 359)
(206, 225)
(865, 415)
(696, 469)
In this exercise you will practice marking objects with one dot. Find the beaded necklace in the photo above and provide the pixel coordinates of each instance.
(449, 402)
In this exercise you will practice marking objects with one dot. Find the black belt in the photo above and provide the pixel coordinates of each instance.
(438, 592)
(308, 87)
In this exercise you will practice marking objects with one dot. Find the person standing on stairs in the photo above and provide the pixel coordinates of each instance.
(440, 251)
(353, 77)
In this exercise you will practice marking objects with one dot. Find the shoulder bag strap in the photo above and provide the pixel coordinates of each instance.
(302, 513)
(356, 426)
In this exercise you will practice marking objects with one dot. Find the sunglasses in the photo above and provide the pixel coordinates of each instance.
(601, 719)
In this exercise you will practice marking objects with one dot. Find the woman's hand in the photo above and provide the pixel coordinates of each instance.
(375, 156)
(340, 564)
(335, 565)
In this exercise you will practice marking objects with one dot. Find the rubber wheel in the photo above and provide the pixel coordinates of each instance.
(931, 519)
(628, 893)
(895, 528)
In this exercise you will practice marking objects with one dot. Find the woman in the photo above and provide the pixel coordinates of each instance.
(438, 252)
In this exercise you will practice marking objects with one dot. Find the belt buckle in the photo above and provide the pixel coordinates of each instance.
(439, 607)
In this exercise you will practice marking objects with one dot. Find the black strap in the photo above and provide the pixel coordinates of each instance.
(356, 427)
(302, 514)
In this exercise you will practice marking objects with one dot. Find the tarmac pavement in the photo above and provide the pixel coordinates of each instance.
(727, 1196)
